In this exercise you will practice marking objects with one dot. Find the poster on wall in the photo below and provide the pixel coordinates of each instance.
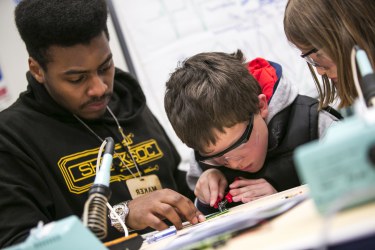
(4, 96)
(161, 34)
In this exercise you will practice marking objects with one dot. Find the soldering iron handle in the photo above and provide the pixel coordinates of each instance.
(367, 82)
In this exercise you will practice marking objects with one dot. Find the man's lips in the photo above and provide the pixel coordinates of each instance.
(97, 105)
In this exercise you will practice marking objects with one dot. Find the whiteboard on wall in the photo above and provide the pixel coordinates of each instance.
(160, 33)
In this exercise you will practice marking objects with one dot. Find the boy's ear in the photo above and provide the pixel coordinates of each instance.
(263, 105)
(36, 70)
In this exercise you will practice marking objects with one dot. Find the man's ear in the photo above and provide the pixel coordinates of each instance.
(36, 70)
(263, 105)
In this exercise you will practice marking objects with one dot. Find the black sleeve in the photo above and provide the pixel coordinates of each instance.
(24, 199)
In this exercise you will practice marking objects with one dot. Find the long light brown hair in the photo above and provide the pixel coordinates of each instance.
(333, 26)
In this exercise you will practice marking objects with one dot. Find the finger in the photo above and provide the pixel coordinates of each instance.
(257, 181)
(197, 192)
(257, 193)
(186, 210)
(214, 191)
(155, 222)
(171, 213)
(202, 193)
(200, 216)
(214, 196)
(222, 186)
(145, 216)
(246, 199)
(246, 182)
(262, 188)
(249, 191)
(206, 181)
(253, 191)
(207, 191)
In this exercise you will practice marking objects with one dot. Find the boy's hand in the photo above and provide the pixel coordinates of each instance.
(246, 190)
(211, 185)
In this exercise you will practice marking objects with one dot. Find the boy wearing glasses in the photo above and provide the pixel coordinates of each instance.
(242, 120)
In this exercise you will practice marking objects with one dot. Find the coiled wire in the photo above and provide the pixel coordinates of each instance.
(94, 215)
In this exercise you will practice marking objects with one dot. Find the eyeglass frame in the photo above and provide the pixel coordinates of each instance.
(243, 139)
(308, 59)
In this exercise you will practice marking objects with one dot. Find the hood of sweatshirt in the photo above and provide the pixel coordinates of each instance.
(127, 101)
(280, 93)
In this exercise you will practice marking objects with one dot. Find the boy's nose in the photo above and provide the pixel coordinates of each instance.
(233, 162)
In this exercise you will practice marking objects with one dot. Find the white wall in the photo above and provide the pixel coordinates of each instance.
(13, 54)
(162, 33)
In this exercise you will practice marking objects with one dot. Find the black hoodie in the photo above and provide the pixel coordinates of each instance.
(48, 158)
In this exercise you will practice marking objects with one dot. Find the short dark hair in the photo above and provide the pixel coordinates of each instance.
(210, 91)
(42, 23)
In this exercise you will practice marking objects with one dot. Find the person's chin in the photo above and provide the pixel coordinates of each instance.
(251, 168)
(94, 110)
(92, 114)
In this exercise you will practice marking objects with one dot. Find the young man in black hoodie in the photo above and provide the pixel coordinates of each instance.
(50, 137)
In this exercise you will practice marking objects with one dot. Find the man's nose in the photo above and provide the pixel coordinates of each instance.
(97, 86)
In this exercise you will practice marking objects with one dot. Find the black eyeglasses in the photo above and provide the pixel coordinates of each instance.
(210, 160)
(308, 58)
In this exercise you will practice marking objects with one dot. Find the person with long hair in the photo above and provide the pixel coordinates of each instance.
(325, 32)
